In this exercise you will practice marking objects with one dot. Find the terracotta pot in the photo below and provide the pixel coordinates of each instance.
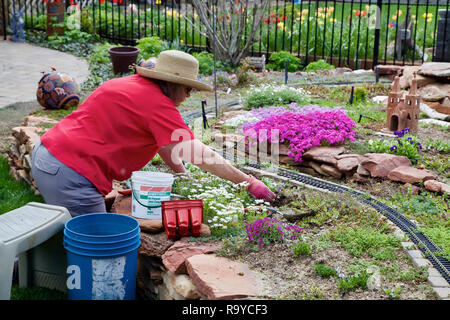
(122, 58)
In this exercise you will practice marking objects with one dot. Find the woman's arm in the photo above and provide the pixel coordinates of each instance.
(166, 154)
(197, 153)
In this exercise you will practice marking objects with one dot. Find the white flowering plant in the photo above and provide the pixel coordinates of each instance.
(274, 95)
(227, 206)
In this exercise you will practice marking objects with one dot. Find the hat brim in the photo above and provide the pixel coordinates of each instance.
(150, 73)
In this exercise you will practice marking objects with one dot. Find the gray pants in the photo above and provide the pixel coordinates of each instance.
(63, 186)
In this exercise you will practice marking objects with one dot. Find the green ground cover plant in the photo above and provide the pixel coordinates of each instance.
(13, 194)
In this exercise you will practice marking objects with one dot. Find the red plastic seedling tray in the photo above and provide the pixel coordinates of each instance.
(186, 214)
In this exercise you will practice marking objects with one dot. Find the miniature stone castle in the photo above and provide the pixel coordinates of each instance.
(403, 112)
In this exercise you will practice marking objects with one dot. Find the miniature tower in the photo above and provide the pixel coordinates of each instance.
(412, 107)
(394, 99)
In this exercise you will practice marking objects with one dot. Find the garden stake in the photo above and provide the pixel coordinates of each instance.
(363, 116)
(205, 120)
(351, 95)
(286, 65)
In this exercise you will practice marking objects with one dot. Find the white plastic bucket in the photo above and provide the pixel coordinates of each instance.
(149, 189)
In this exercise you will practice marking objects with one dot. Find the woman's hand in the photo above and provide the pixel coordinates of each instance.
(259, 189)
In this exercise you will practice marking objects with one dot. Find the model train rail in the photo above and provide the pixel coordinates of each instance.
(431, 251)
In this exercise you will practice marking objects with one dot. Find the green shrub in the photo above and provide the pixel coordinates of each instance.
(273, 95)
(149, 47)
(301, 249)
(360, 95)
(206, 63)
(318, 65)
(278, 60)
(325, 271)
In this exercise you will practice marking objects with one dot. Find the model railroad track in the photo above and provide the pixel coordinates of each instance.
(431, 251)
(426, 245)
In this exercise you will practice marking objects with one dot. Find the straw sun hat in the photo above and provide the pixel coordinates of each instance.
(177, 67)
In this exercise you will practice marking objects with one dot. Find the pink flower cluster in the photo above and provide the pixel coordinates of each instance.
(267, 112)
(270, 230)
(303, 131)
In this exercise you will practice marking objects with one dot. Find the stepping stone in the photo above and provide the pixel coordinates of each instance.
(174, 258)
(409, 174)
(380, 164)
(219, 278)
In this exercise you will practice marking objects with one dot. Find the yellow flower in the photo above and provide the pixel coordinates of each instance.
(399, 13)
(246, 20)
(430, 15)
(394, 17)
(332, 20)
(413, 16)
(367, 7)
(299, 13)
(429, 20)
(424, 15)
(305, 11)
(298, 18)
(320, 22)
(280, 25)
(195, 15)
(320, 9)
(181, 41)
(158, 2)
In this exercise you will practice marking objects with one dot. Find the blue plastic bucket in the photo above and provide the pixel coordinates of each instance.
(101, 256)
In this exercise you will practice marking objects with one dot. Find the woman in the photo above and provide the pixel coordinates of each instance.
(118, 129)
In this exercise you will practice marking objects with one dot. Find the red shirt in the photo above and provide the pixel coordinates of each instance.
(118, 129)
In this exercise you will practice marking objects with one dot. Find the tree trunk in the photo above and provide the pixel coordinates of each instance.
(232, 18)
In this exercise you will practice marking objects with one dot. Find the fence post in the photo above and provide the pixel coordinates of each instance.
(377, 33)
(4, 19)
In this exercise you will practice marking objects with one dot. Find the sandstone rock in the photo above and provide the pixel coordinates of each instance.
(380, 164)
(220, 278)
(390, 69)
(435, 92)
(439, 70)
(317, 168)
(163, 293)
(180, 286)
(348, 163)
(175, 257)
(110, 198)
(332, 171)
(167, 279)
(408, 75)
(440, 107)
(380, 99)
(288, 160)
(122, 205)
(24, 134)
(409, 174)
(154, 245)
(359, 178)
(34, 121)
(436, 186)
(321, 152)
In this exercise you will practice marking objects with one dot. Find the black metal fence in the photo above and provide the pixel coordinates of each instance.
(352, 33)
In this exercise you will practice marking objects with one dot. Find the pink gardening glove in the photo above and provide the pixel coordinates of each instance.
(259, 189)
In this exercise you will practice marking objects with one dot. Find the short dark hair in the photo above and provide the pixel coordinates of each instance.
(163, 85)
